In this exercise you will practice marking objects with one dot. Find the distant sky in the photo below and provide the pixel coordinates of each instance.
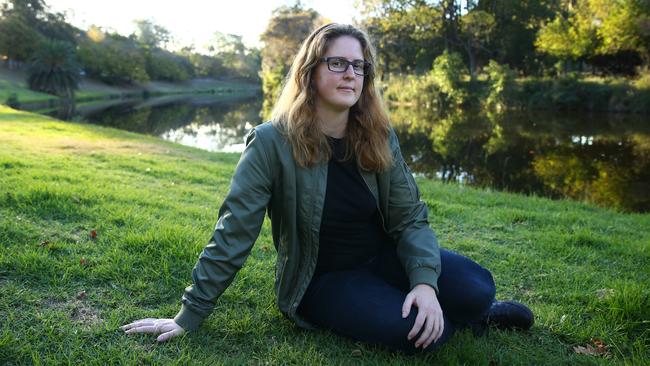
(193, 21)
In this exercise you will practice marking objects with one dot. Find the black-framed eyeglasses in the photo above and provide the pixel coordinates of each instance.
(341, 64)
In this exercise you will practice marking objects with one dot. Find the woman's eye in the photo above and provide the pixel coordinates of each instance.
(336, 63)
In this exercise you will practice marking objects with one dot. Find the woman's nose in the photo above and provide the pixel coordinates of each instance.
(349, 72)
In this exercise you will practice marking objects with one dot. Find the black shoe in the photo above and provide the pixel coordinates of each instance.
(510, 315)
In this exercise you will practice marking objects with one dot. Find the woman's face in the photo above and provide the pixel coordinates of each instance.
(338, 91)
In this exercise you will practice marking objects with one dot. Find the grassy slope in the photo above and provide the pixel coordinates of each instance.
(153, 205)
(14, 82)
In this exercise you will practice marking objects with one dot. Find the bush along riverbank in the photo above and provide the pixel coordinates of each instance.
(448, 86)
(100, 227)
(15, 92)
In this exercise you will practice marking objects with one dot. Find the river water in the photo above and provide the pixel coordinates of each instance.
(600, 158)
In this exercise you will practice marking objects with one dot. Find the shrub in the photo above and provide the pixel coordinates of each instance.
(113, 61)
(448, 73)
(501, 84)
(12, 101)
(54, 69)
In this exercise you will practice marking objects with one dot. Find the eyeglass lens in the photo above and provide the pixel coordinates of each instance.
(337, 64)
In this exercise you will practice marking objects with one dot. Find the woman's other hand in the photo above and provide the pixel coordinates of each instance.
(429, 315)
(167, 328)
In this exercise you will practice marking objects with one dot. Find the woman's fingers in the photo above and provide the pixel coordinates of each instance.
(170, 334)
(143, 329)
(167, 328)
(419, 321)
(406, 307)
(441, 326)
(426, 334)
(147, 321)
(438, 328)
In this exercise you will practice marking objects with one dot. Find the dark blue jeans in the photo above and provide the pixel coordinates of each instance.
(365, 303)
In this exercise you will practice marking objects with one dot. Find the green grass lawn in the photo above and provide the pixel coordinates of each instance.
(584, 271)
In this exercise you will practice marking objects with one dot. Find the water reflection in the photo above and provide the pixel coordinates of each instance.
(207, 122)
(603, 159)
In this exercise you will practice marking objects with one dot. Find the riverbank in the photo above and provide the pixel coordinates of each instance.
(100, 227)
(502, 91)
(14, 90)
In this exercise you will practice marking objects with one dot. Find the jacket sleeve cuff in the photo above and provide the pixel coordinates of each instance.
(424, 275)
(188, 319)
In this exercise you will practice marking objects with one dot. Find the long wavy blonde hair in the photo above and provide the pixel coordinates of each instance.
(295, 114)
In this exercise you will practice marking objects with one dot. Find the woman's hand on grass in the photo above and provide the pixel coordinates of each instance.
(167, 328)
(429, 315)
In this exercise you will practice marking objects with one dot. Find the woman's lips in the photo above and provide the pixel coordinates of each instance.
(346, 89)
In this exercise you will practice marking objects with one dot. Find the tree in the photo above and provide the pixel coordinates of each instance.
(406, 33)
(282, 39)
(30, 10)
(592, 28)
(236, 58)
(151, 34)
(18, 41)
(54, 70)
(516, 23)
(475, 30)
(447, 73)
(571, 37)
(114, 60)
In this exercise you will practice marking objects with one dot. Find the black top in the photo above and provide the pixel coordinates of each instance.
(350, 231)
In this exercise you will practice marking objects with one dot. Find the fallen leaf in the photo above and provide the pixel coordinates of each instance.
(588, 350)
(93, 234)
(600, 349)
(81, 295)
(356, 353)
(44, 243)
(83, 261)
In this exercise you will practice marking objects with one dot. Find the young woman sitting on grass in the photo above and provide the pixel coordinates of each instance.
(355, 253)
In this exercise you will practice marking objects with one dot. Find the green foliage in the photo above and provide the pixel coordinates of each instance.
(597, 27)
(476, 27)
(12, 101)
(150, 34)
(516, 25)
(416, 91)
(643, 81)
(206, 66)
(448, 73)
(284, 34)
(407, 34)
(237, 60)
(500, 85)
(571, 38)
(115, 60)
(18, 40)
(163, 65)
(570, 93)
(54, 70)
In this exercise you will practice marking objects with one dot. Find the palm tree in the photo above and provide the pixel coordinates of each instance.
(54, 69)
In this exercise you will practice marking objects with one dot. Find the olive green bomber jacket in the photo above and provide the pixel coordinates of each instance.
(267, 179)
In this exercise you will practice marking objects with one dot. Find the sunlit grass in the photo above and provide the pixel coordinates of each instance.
(153, 204)
(9, 88)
